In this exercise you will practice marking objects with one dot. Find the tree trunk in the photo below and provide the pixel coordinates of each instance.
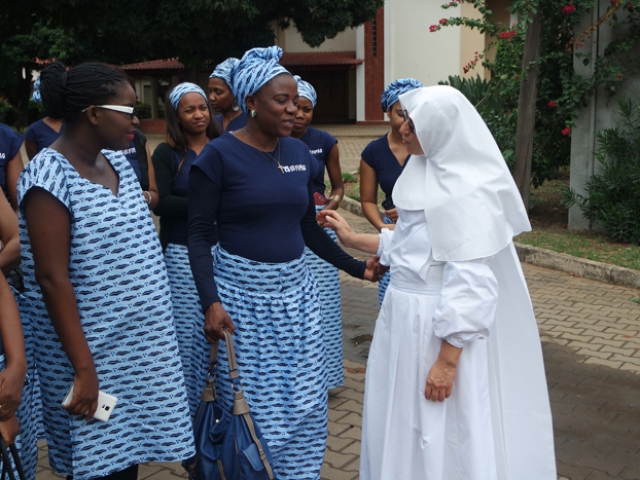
(527, 108)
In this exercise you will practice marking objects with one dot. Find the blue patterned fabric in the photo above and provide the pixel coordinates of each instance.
(225, 69)
(306, 90)
(393, 91)
(328, 278)
(383, 284)
(280, 348)
(257, 67)
(120, 282)
(181, 90)
(36, 97)
(189, 320)
(28, 413)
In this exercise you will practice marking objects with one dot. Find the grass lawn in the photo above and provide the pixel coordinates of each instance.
(549, 218)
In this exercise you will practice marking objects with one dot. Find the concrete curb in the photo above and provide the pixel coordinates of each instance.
(601, 272)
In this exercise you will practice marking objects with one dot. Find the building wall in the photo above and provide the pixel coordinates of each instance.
(290, 40)
(411, 50)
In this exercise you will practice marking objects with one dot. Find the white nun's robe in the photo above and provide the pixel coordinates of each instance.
(479, 433)
(457, 204)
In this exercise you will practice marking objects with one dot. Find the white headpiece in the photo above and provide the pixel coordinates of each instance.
(462, 182)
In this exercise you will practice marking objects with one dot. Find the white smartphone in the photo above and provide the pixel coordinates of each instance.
(106, 404)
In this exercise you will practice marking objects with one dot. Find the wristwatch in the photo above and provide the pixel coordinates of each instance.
(336, 198)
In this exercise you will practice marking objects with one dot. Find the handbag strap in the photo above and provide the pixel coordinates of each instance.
(231, 355)
(209, 392)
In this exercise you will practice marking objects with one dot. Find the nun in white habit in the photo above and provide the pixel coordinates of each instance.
(455, 386)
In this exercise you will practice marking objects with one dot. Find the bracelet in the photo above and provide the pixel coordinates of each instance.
(144, 194)
(336, 198)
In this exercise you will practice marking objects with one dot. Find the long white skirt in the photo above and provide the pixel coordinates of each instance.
(404, 435)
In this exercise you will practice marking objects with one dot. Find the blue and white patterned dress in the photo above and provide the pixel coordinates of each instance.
(120, 282)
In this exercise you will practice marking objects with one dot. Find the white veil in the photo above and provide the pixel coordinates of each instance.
(473, 210)
(472, 205)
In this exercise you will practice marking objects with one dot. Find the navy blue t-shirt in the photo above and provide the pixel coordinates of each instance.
(132, 156)
(42, 134)
(320, 144)
(257, 198)
(379, 156)
(10, 143)
(236, 124)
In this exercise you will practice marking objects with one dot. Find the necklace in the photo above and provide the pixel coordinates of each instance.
(278, 146)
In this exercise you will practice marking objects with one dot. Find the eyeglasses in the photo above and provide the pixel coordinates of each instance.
(405, 116)
(131, 111)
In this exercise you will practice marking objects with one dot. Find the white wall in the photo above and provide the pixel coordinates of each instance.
(292, 42)
(411, 50)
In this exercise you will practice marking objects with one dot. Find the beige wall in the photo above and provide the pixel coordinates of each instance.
(290, 40)
(411, 50)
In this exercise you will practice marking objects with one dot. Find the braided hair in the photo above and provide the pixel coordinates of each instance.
(65, 93)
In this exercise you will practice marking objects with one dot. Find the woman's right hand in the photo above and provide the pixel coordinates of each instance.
(332, 219)
(216, 319)
(9, 429)
(391, 215)
(85, 395)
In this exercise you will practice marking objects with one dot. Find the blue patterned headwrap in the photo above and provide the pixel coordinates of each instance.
(36, 91)
(181, 90)
(397, 88)
(223, 70)
(257, 67)
(306, 90)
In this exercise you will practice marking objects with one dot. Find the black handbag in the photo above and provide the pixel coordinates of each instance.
(229, 445)
(10, 459)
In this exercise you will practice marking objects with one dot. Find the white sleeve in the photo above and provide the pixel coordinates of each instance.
(468, 302)
(384, 248)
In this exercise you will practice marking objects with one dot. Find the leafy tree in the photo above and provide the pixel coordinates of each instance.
(119, 31)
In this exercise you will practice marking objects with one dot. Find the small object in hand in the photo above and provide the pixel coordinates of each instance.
(106, 404)
(387, 204)
(147, 196)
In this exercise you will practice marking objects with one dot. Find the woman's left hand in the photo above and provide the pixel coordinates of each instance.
(440, 381)
(11, 384)
(9, 429)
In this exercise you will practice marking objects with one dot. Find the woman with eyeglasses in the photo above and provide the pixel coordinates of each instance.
(455, 385)
(231, 116)
(96, 287)
(190, 127)
(255, 185)
(381, 164)
(324, 148)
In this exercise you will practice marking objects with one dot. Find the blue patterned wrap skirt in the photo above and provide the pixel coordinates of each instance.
(383, 284)
(328, 278)
(29, 412)
(280, 348)
(189, 321)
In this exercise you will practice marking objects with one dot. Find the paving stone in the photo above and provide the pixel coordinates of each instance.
(338, 460)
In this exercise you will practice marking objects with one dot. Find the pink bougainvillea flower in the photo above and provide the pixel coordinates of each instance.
(434, 28)
(618, 76)
(566, 131)
(568, 9)
(507, 35)
(552, 103)
(443, 21)
(615, 2)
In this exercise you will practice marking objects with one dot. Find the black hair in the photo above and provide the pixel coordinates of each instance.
(65, 93)
(175, 137)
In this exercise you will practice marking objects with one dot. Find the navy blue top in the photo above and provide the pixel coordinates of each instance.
(42, 134)
(236, 124)
(262, 214)
(320, 144)
(132, 155)
(379, 156)
(10, 143)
